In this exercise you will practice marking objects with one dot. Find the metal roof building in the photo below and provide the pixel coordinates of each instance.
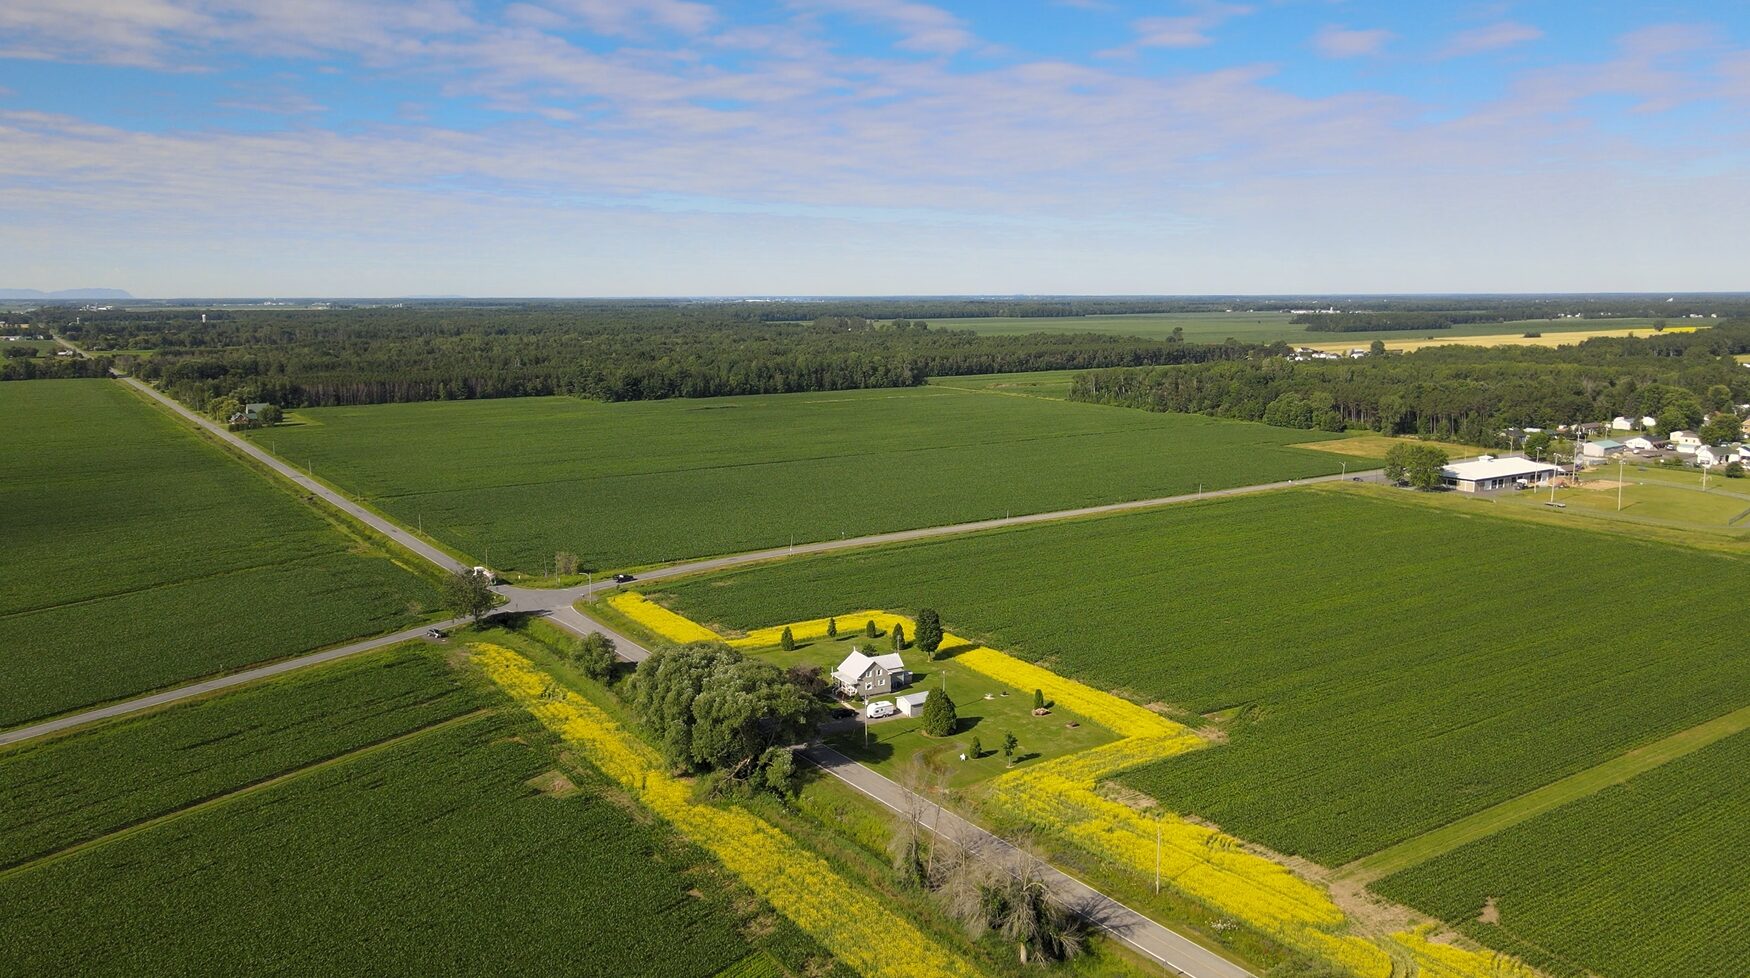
(1487, 474)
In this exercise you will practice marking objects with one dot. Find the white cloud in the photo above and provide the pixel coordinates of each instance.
(1340, 42)
(1494, 37)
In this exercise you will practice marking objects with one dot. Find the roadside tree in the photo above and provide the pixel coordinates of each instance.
(467, 593)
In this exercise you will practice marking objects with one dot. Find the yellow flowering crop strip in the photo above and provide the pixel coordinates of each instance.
(1445, 961)
(1213, 867)
(815, 628)
(660, 620)
(847, 921)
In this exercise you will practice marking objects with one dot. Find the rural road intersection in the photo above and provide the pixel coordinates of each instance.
(559, 605)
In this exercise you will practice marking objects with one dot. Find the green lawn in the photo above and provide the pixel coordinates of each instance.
(1053, 384)
(139, 556)
(1643, 880)
(987, 709)
(1382, 667)
(464, 846)
(511, 481)
(1268, 327)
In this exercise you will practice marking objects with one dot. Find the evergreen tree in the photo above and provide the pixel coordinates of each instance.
(898, 637)
(832, 628)
(787, 640)
(1039, 699)
(940, 719)
(929, 635)
(869, 629)
(975, 750)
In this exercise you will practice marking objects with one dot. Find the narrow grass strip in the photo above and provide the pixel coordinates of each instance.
(1581, 784)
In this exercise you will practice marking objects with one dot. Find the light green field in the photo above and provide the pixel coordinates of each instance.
(509, 482)
(139, 556)
(1379, 667)
(1642, 880)
(1269, 327)
(442, 838)
(1053, 384)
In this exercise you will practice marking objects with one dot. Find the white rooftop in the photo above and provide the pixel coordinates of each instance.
(857, 663)
(915, 699)
(1510, 467)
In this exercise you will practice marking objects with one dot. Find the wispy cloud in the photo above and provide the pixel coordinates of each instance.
(1493, 37)
(922, 27)
(1189, 30)
(1341, 42)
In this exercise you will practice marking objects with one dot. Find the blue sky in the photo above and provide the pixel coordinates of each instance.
(671, 147)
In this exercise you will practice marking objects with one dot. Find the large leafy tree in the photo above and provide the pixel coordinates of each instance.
(713, 709)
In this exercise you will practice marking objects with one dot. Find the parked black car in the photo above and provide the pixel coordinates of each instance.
(623, 578)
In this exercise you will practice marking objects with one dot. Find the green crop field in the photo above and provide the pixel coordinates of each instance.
(510, 482)
(1379, 667)
(72, 789)
(460, 849)
(138, 557)
(1581, 888)
(1269, 327)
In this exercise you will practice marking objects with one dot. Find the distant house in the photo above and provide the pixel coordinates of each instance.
(252, 411)
(1686, 442)
(1590, 428)
(912, 704)
(867, 675)
(1620, 423)
(1602, 448)
(1745, 427)
(1707, 457)
(1487, 473)
(1640, 443)
(1649, 422)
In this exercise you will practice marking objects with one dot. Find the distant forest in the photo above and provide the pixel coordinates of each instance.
(1466, 393)
(316, 358)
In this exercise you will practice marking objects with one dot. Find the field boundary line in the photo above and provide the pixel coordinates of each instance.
(243, 790)
(1574, 787)
(215, 684)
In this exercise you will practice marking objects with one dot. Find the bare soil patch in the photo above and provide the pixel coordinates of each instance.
(553, 784)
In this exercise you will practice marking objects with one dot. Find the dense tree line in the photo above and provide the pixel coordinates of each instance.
(1458, 392)
(1366, 322)
(365, 356)
(45, 367)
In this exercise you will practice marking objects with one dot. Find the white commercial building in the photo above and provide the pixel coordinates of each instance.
(1487, 473)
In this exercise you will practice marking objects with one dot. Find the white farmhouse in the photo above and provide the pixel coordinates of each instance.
(871, 675)
(1639, 443)
(1686, 442)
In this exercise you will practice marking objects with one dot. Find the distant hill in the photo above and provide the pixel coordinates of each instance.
(64, 294)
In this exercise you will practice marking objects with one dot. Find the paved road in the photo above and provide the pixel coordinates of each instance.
(1142, 934)
(211, 685)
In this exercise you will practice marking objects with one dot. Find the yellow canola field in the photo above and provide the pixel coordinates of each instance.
(858, 929)
(815, 628)
(660, 620)
(1059, 796)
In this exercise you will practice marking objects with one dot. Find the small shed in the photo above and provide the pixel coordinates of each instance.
(1602, 448)
(912, 704)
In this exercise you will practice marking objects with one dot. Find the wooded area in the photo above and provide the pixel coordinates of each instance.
(1463, 393)
(370, 356)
